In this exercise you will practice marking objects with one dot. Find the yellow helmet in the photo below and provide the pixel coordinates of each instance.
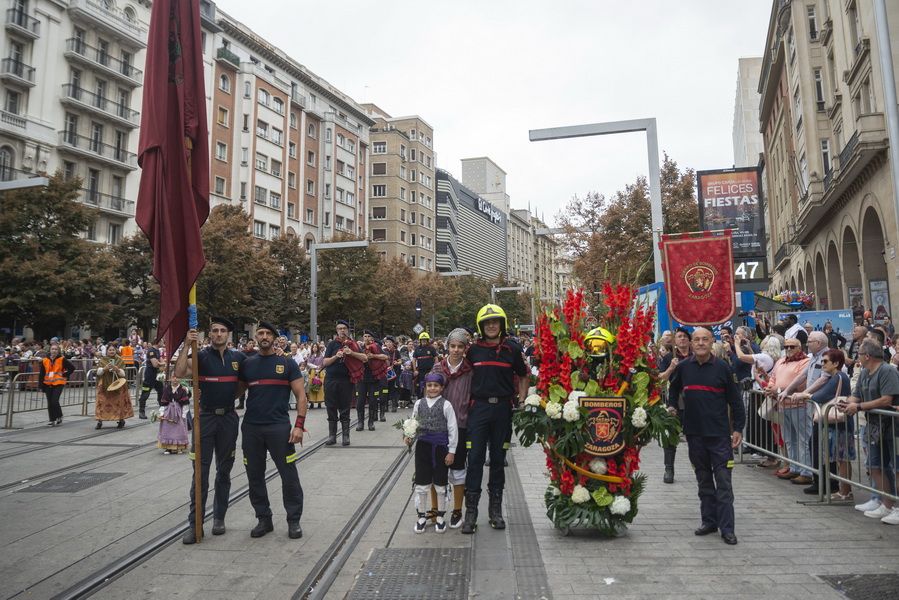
(492, 311)
(598, 341)
(423, 336)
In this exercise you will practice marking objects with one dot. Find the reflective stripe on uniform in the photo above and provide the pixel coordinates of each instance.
(191, 456)
(468, 444)
(292, 458)
(268, 382)
(506, 445)
(245, 460)
(730, 464)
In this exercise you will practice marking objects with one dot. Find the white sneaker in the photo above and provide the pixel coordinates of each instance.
(879, 512)
(420, 524)
(892, 518)
(440, 525)
(871, 504)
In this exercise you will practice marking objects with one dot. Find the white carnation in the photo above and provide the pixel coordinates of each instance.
(532, 390)
(639, 417)
(620, 505)
(410, 428)
(599, 466)
(581, 495)
(571, 411)
(532, 400)
(554, 490)
(553, 410)
(575, 394)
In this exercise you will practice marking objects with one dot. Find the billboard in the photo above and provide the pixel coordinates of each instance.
(732, 199)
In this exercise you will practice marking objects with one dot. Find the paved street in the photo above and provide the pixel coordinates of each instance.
(54, 539)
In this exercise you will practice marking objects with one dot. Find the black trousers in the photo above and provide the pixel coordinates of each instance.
(338, 398)
(272, 439)
(671, 452)
(368, 392)
(488, 425)
(388, 395)
(218, 434)
(814, 444)
(53, 393)
(713, 461)
(145, 391)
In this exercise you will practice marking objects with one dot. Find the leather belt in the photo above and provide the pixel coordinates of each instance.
(493, 399)
(216, 411)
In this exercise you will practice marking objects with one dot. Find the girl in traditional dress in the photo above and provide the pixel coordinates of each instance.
(173, 436)
(112, 405)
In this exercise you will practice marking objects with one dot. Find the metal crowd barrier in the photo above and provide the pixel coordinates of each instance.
(862, 452)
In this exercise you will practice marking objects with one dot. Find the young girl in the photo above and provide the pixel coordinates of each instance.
(435, 451)
(173, 436)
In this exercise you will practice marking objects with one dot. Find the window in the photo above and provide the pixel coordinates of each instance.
(244, 156)
(379, 235)
(291, 210)
(113, 234)
(403, 152)
(261, 162)
(803, 172)
(339, 195)
(293, 120)
(259, 229)
(412, 220)
(260, 195)
(246, 89)
(402, 172)
(292, 150)
(291, 180)
(412, 257)
(261, 128)
(379, 168)
(403, 215)
(327, 220)
(412, 200)
(277, 136)
(278, 105)
(310, 215)
(246, 122)
(791, 43)
(819, 89)
(797, 110)
(350, 172)
(429, 223)
(340, 139)
(402, 193)
(379, 212)
(310, 130)
(225, 84)
(274, 200)
(855, 28)
(338, 222)
(222, 117)
(96, 137)
(812, 23)
(310, 187)
(378, 191)
(351, 198)
(69, 169)
(103, 52)
(379, 148)
(13, 102)
(262, 96)
(328, 191)
(825, 156)
(310, 158)
(412, 154)
(220, 186)
(412, 176)
(91, 232)
(221, 151)
(351, 146)
(327, 163)
(328, 134)
(276, 168)
(274, 232)
(403, 236)
(243, 190)
(412, 137)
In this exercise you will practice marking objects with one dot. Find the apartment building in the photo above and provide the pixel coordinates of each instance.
(520, 253)
(402, 215)
(286, 145)
(545, 281)
(71, 89)
(831, 215)
(747, 140)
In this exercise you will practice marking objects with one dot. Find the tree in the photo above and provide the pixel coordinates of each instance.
(139, 302)
(348, 286)
(48, 274)
(394, 300)
(285, 299)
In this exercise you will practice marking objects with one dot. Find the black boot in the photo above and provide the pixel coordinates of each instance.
(345, 428)
(332, 433)
(294, 531)
(190, 537)
(670, 453)
(372, 415)
(360, 420)
(470, 523)
(669, 475)
(495, 510)
(262, 527)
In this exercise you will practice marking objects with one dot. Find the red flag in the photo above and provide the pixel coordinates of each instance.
(173, 201)
(699, 276)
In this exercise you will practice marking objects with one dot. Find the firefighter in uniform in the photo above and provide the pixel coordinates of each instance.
(218, 370)
(495, 359)
(269, 380)
(709, 388)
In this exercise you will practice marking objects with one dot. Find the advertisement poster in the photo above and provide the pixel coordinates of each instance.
(732, 199)
(841, 320)
(880, 299)
(856, 301)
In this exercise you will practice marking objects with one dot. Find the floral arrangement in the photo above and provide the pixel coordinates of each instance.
(315, 383)
(590, 484)
(798, 299)
(409, 427)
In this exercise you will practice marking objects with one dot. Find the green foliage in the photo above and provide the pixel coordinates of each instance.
(138, 303)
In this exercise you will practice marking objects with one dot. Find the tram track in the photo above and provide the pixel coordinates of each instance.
(47, 445)
(316, 583)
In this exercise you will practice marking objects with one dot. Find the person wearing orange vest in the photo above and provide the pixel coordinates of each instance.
(126, 353)
(55, 371)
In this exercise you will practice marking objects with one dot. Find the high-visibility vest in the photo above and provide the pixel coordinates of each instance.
(127, 353)
(53, 372)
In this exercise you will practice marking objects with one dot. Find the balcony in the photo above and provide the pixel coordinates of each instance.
(862, 56)
(21, 23)
(226, 54)
(12, 120)
(90, 148)
(15, 72)
(297, 98)
(115, 22)
(859, 159)
(95, 58)
(110, 110)
(782, 255)
(115, 205)
(826, 31)
(207, 16)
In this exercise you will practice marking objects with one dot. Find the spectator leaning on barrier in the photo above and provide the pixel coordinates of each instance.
(878, 387)
(785, 371)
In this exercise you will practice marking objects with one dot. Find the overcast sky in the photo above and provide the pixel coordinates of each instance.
(484, 72)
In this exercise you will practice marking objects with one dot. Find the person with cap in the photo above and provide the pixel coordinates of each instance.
(269, 379)
(667, 366)
(369, 389)
(713, 421)
(423, 361)
(151, 380)
(219, 367)
(495, 359)
(339, 381)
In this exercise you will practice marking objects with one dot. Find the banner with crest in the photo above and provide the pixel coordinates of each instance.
(699, 277)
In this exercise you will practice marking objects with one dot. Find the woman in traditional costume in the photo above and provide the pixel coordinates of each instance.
(113, 397)
(173, 435)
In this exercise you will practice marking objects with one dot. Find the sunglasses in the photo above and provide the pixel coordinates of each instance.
(791, 347)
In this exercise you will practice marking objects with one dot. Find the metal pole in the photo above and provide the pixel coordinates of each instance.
(885, 54)
(313, 300)
(12, 395)
(655, 191)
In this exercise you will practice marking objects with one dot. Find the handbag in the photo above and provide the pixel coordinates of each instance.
(768, 411)
(834, 415)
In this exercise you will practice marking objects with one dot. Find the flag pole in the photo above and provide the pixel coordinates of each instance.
(193, 323)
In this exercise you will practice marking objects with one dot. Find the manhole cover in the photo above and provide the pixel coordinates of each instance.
(70, 483)
(865, 587)
(414, 574)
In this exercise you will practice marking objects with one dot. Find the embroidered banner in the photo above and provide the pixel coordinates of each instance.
(605, 424)
(699, 277)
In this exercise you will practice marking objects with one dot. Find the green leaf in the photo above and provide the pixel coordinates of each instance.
(557, 327)
(576, 383)
(557, 392)
(574, 350)
(602, 497)
(592, 388)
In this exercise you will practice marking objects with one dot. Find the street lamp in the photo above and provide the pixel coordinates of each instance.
(652, 150)
(313, 279)
(19, 184)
